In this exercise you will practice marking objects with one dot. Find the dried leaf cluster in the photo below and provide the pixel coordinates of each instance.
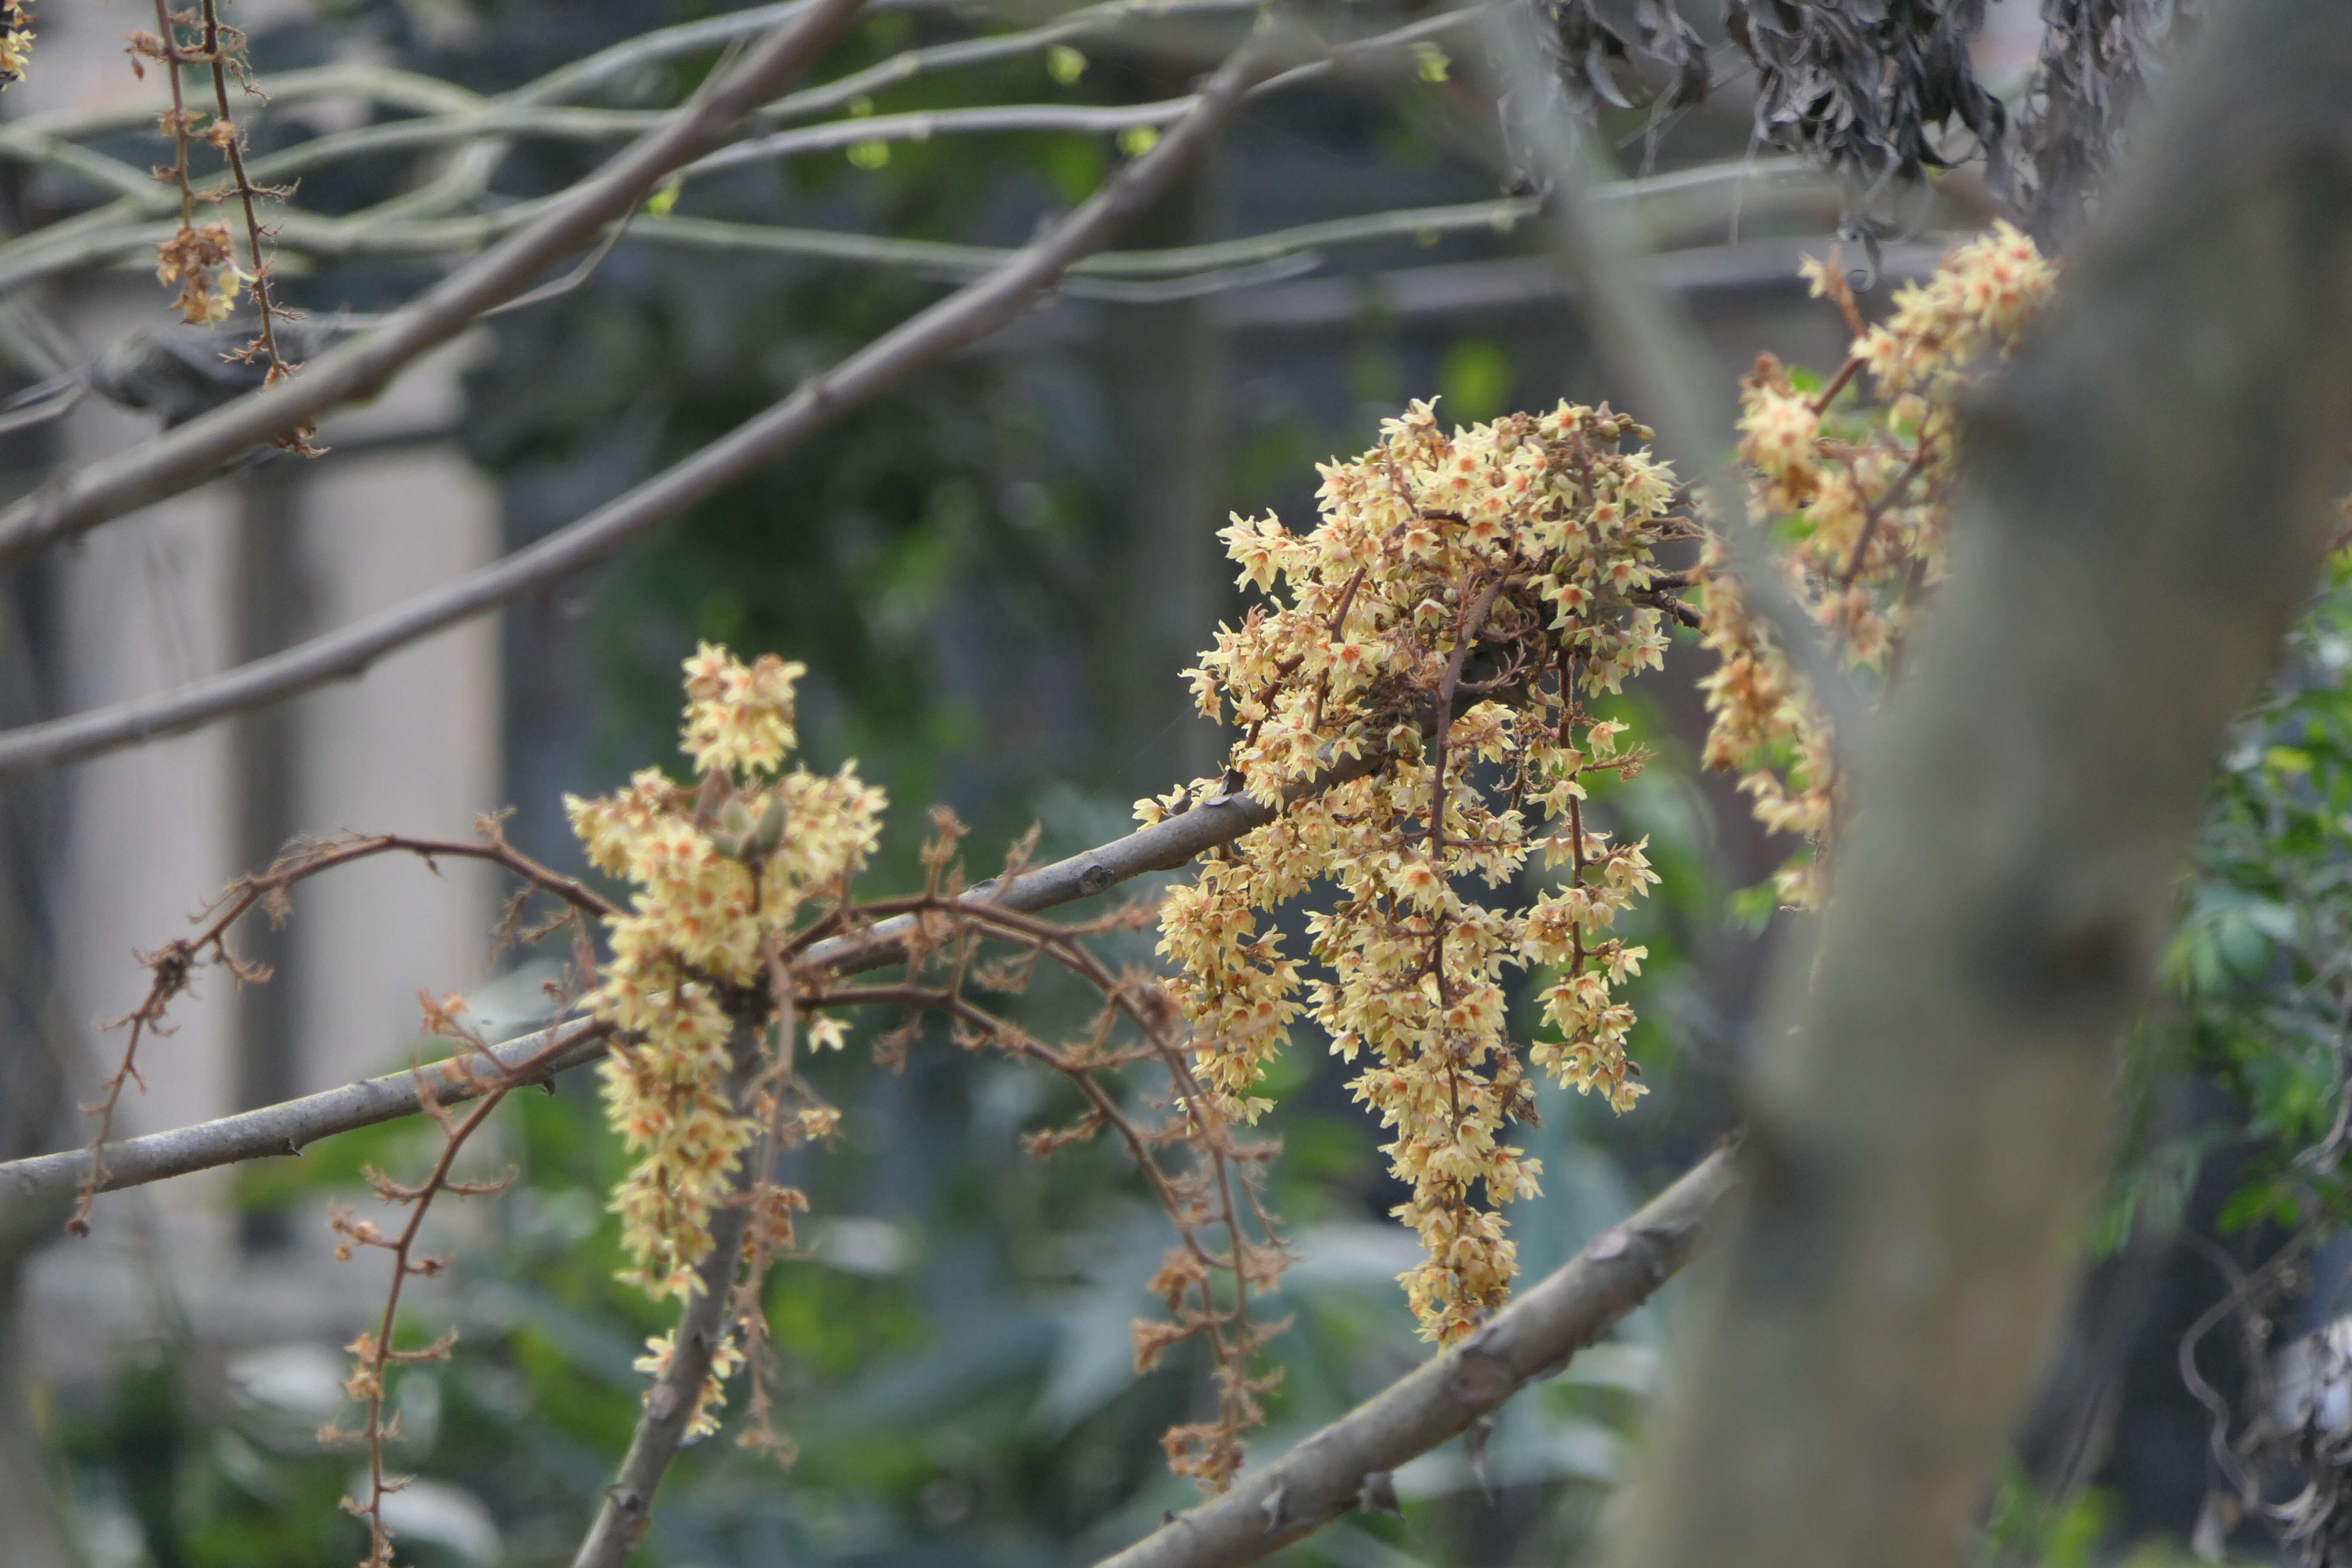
(2096, 58)
(1885, 92)
(1869, 88)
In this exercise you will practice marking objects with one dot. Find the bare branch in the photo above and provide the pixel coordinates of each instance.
(1530, 1340)
(36, 1194)
(928, 124)
(964, 317)
(185, 455)
(1684, 200)
(34, 1188)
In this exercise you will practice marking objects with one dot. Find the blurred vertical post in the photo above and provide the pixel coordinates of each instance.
(1168, 367)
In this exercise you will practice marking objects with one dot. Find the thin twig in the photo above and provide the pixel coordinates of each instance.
(173, 967)
(229, 136)
(1878, 509)
(373, 1351)
(184, 456)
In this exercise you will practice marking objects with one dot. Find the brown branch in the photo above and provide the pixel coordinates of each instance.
(1530, 1340)
(168, 38)
(230, 138)
(1878, 509)
(964, 317)
(192, 452)
(374, 1351)
(1846, 372)
(1210, 1452)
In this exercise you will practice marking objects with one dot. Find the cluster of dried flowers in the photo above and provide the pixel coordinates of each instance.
(1855, 493)
(201, 257)
(1415, 700)
(1461, 602)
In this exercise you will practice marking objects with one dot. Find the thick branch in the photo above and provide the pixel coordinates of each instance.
(1530, 1340)
(969, 314)
(2145, 504)
(184, 456)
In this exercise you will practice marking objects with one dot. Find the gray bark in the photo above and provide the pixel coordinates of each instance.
(1345, 1465)
(2146, 503)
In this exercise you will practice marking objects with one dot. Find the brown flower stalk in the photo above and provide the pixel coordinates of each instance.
(201, 257)
(372, 1352)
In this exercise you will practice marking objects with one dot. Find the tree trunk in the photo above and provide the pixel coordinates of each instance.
(2146, 503)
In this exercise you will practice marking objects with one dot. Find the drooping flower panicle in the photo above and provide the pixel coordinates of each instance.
(1857, 493)
(1462, 599)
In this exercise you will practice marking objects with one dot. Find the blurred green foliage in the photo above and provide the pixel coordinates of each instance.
(2262, 964)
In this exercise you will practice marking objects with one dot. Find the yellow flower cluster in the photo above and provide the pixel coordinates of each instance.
(1460, 599)
(16, 37)
(1859, 493)
(721, 872)
(1983, 295)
